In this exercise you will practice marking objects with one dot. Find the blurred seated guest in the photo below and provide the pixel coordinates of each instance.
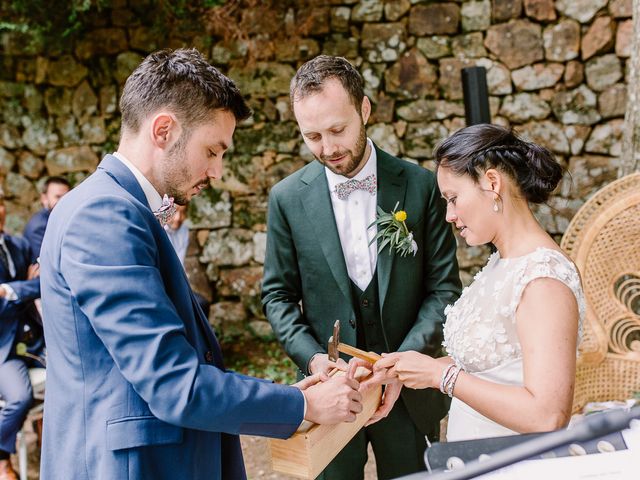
(53, 190)
(19, 322)
(178, 232)
(512, 335)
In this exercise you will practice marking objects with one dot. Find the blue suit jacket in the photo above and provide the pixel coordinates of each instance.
(13, 313)
(136, 388)
(35, 228)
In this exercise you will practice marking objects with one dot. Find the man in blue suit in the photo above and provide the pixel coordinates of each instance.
(19, 286)
(52, 191)
(136, 386)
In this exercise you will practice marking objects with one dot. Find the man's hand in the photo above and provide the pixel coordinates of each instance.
(320, 363)
(33, 271)
(3, 292)
(332, 401)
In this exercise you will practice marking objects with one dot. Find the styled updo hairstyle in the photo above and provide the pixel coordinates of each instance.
(474, 150)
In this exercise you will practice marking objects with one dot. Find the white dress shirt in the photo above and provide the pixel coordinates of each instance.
(10, 292)
(353, 216)
(153, 197)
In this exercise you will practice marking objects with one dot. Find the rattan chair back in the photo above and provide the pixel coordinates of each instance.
(604, 241)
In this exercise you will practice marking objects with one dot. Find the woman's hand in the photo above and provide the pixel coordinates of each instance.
(414, 369)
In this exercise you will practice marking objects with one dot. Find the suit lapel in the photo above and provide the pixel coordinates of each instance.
(125, 178)
(392, 186)
(316, 201)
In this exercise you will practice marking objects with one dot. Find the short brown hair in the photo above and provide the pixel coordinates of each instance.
(183, 81)
(311, 77)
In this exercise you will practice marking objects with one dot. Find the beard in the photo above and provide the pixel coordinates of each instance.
(355, 156)
(176, 172)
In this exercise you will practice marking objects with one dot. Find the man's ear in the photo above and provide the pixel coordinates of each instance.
(164, 130)
(365, 110)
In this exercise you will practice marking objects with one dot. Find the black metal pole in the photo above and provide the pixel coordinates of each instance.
(476, 95)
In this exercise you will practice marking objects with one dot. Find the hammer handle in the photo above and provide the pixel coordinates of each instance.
(370, 357)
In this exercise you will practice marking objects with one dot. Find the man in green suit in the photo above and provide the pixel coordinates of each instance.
(320, 266)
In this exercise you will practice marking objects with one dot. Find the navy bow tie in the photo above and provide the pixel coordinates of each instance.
(166, 211)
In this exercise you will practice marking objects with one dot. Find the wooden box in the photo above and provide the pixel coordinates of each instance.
(308, 451)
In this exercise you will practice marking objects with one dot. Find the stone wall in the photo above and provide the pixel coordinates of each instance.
(556, 71)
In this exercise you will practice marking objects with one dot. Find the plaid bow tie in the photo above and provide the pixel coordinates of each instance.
(166, 210)
(368, 184)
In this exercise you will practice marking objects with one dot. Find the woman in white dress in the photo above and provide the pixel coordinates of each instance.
(512, 336)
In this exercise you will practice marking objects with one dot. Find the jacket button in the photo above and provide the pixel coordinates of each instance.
(365, 303)
(352, 322)
(209, 356)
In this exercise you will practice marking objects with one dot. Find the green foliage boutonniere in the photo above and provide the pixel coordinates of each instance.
(393, 231)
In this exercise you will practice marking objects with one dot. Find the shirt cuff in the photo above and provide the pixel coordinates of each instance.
(11, 294)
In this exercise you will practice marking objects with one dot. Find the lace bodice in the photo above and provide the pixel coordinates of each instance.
(480, 329)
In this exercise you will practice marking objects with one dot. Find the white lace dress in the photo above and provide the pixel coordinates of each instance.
(480, 329)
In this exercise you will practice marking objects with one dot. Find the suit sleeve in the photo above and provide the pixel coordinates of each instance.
(109, 259)
(442, 281)
(282, 290)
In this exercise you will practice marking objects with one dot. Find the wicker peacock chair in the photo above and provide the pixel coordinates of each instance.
(604, 241)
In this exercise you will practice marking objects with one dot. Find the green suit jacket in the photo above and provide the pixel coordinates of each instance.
(306, 286)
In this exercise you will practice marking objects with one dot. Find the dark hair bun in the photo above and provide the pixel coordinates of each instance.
(474, 149)
(542, 175)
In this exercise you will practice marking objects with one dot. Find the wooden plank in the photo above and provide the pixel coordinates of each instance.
(306, 453)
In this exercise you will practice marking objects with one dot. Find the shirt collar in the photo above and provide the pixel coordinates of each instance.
(369, 168)
(153, 197)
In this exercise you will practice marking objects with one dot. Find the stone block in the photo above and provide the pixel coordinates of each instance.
(65, 72)
(624, 39)
(581, 10)
(562, 41)
(602, 72)
(475, 15)
(621, 8)
(470, 45)
(612, 102)
(574, 74)
(30, 165)
(577, 136)
(434, 47)
(429, 110)
(395, 10)
(412, 76)
(421, 139)
(576, 106)
(450, 76)
(546, 133)
(523, 107)
(84, 102)
(101, 41)
(240, 282)
(516, 44)
(541, 10)
(538, 76)
(599, 38)
(434, 19)
(39, 136)
(606, 138)
(503, 10)
(71, 159)
(368, 11)
(228, 247)
(7, 161)
(383, 42)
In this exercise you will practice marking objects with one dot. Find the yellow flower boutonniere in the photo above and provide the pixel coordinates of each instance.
(393, 231)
